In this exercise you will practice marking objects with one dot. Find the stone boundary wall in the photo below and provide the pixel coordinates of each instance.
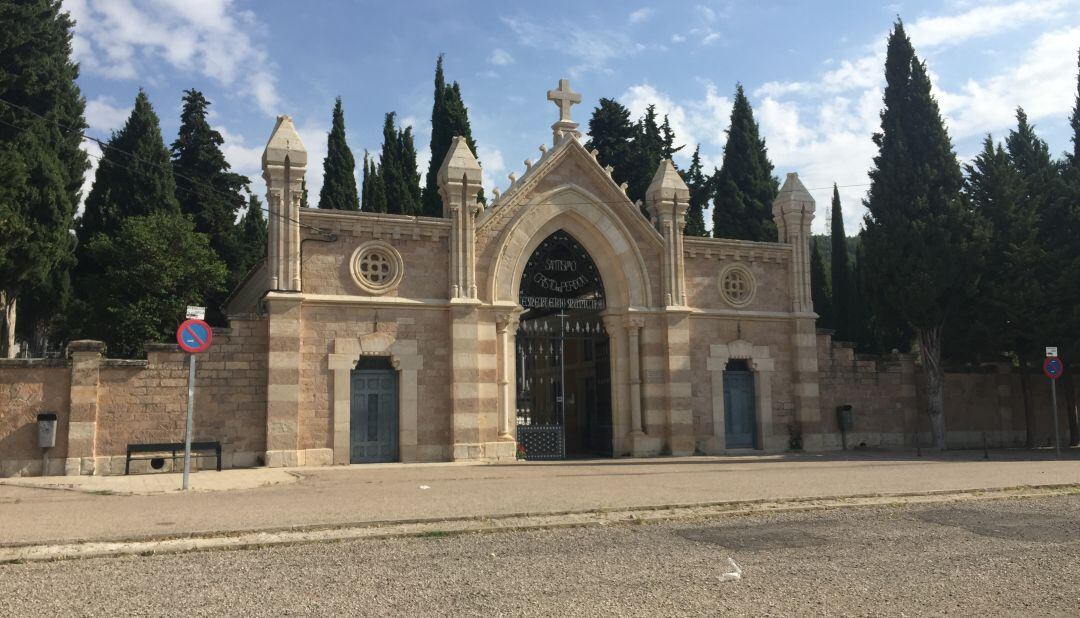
(104, 404)
(887, 394)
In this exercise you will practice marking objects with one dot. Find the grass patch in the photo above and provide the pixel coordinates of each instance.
(102, 492)
(434, 534)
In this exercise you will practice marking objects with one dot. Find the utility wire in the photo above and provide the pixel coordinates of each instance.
(135, 157)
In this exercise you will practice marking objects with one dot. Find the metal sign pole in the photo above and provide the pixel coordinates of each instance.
(190, 408)
(1053, 403)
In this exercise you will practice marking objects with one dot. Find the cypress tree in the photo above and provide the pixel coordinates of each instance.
(745, 187)
(842, 299)
(819, 287)
(449, 118)
(251, 235)
(667, 137)
(397, 169)
(304, 194)
(365, 185)
(205, 187)
(1069, 274)
(612, 134)
(647, 150)
(42, 165)
(339, 168)
(922, 244)
(699, 197)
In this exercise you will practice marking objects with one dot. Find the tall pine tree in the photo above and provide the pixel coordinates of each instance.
(251, 235)
(922, 244)
(449, 118)
(819, 287)
(1067, 214)
(842, 297)
(140, 259)
(699, 197)
(611, 134)
(339, 168)
(42, 165)
(745, 187)
(206, 188)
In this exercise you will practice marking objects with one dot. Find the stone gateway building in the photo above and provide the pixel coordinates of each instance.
(559, 320)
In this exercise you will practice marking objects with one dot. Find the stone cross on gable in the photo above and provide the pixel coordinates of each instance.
(564, 98)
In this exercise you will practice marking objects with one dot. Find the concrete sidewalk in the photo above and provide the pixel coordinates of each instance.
(33, 512)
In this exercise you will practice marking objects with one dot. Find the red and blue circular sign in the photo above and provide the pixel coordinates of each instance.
(1053, 367)
(194, 336)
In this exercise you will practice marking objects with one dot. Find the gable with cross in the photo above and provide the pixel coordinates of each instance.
(564, 98)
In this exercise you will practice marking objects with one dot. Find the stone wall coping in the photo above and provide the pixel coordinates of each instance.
(726, 248)
(124, 362)
(163, 347)
(30, 363)
(86, 345)
(373, 217)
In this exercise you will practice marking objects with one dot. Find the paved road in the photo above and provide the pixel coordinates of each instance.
(355, 494)
(991, 558)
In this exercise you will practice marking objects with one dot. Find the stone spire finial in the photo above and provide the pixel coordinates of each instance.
(667, 185)
(793, 211)
(459, 186)
(564, 98)
(667, 199)
(284, 162)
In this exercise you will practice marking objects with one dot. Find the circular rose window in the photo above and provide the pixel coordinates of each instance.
(376, 267)
(737, 285)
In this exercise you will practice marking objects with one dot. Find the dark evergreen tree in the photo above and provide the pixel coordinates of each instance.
(611, 134)
(374, 191)
(365, 184)
(1067, 216)
(42, 165)
(449, 118)
(206, 188)
(397, 169)
(339, 168)
(819, 288)
(745, 187)
(923, 245)
(699, 197)
(646, 152)
(251, 235)
(304, 194)
(842, 298)
(667, 136)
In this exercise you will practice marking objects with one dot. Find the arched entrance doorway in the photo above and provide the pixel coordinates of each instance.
(563, 355)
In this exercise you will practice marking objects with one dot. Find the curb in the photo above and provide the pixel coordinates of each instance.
(437, 528)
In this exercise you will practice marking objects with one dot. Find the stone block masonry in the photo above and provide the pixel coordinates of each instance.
(105, 404)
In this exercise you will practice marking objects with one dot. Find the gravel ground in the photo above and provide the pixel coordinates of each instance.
(999, 557)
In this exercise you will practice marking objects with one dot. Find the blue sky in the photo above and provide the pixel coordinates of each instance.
(813, 71)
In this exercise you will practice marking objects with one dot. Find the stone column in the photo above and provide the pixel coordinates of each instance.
(668, 198)
(82, 422)
(633, 354)
(621, 423)
(283, 380)
(506, 331)
(793, 211)
(284, 161)
(459, 186)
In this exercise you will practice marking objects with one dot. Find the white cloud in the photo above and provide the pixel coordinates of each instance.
(500, 57)
(641, 15)
(118, 39)
(592, 49)
(982, 21)
(493, 166)
(103, 116)
(696, 121)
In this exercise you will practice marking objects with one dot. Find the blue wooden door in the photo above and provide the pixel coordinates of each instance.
(373, 418)
(740, 422)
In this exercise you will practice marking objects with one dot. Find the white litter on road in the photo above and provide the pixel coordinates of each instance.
(425, 487)
(735, 574)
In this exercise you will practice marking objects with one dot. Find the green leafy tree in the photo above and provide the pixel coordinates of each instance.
(745, 187)
(207, 190)
(699, 197)
(449, 118)
(339, 168)
(819, 287)
(397, 169)
(842, 296)
(152, 267)
(923, 245)
(41, 162)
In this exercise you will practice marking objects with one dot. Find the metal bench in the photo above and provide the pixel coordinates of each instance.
(155, 450)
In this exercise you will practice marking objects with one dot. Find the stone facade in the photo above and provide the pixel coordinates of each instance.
(439, 302)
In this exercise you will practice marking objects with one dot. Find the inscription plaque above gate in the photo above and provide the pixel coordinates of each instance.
(561, 275)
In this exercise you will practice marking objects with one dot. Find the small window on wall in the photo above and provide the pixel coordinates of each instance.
(376, 267)
(737, 285)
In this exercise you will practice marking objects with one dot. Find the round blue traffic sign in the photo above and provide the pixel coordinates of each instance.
(1053, 367)
(194, 336)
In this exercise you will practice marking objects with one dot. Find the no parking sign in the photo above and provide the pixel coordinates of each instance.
(194, 336)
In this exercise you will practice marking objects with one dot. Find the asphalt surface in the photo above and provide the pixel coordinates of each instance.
(987, 557)
(358, 494)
